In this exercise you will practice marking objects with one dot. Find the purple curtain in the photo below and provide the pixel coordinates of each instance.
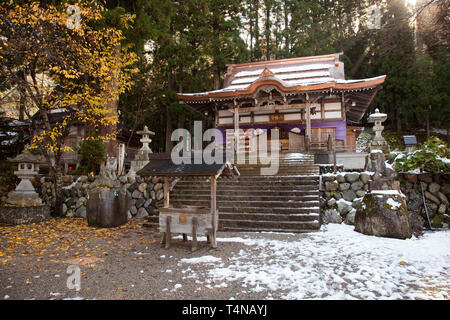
(340, 128)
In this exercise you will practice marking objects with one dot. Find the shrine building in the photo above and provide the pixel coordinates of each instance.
(307, 98)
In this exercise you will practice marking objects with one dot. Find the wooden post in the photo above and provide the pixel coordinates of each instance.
(167, 234)
(308, 119)
(236, 128)
(213, 211)
(194, 233)
(166, 192)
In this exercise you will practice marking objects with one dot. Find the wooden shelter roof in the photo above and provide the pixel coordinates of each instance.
(164, 166)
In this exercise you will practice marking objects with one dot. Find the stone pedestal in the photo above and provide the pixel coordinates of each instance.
(107, 208)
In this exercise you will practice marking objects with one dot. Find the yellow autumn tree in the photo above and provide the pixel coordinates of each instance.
(70, 66)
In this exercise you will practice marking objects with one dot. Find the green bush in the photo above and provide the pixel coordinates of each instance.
(7, 178)
(92, 154)
(432, 156)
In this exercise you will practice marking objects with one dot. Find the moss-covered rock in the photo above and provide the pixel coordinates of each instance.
(383, 215)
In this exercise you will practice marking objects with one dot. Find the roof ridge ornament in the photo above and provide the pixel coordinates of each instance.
(266, 73)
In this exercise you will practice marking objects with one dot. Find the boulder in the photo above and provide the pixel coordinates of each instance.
(66, 179)
(133, 210)
(337, 195)
(350, 218)
(340, 178)
(352, 177)
(358, 185)
(71, 202)
(360, 193)
(426, 177)
(443, 198)
(343, 206)
(160, 195)
(155, 180)
(434, 188)
(133, 187)
(136, 194)
(81, 212)
(330, 186)
(123, 179)
(414, 201)
(331, 216)
(327, 177)
(142, 213)
(140, 202)
(383, 215)
(364, 177)
(344, 186)
(80, 202)
(158, 187)
(142, 187)
(411, 177)
(148, 203)
(349, 195)
(432, 197)
(445, 188)
(331, 202)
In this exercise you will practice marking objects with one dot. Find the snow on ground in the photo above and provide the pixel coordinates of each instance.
(335, 263)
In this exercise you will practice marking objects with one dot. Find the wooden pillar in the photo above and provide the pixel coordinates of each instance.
(166, 192)
(213, 212)
(308, 124)
(236, 128)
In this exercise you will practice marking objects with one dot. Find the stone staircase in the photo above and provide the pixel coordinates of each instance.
(285, 202)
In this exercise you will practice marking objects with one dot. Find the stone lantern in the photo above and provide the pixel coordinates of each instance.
(378, 142)
(24, 194)
(23, 205)
(142, 157)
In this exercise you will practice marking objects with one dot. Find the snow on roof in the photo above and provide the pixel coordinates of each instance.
(296, 68)
(296, 75)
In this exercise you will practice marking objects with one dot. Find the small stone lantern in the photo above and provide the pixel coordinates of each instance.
(378, 142)
(23, 205)
(24, 194)
(141, 158)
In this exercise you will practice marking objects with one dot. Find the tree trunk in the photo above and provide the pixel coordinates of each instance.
(168, 119)
(111, 146)
(427, 122)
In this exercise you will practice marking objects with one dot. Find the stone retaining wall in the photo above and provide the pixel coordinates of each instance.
(436, 188)
(147, 193)
(341, 194)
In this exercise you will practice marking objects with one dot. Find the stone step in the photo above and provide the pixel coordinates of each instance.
(249, 203)
(255, 180)
(267, 209)
(268, 216)
(270, 229)
(279, 225)
(176, 192)
(242, 196)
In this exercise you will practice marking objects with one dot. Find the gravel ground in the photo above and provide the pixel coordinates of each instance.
(132, 265)
(129, 263)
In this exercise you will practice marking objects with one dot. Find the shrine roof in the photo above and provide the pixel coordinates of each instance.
(316, 74)
(304, 74)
